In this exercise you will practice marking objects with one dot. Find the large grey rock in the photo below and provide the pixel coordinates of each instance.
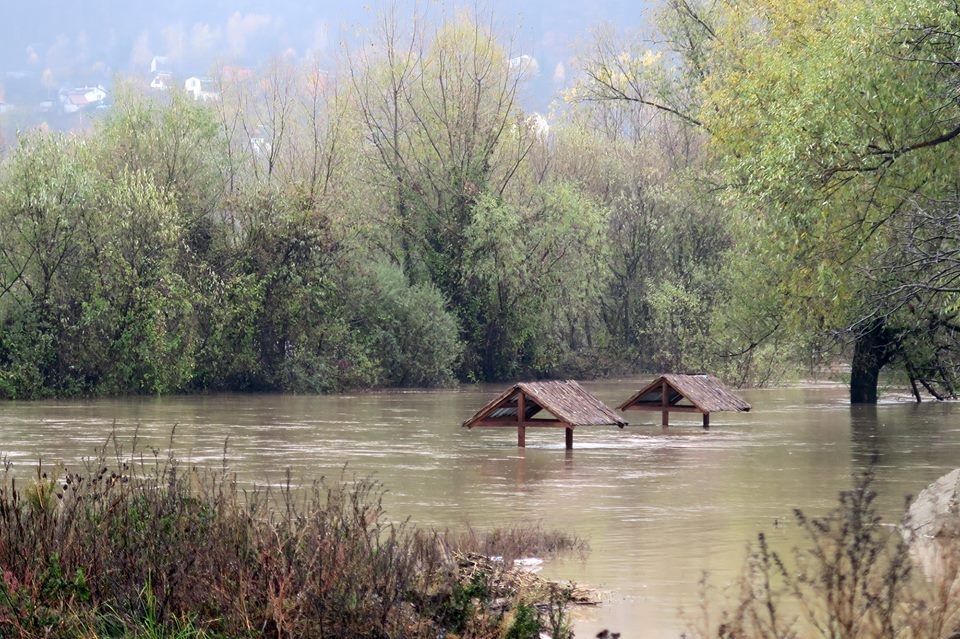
(932, 529)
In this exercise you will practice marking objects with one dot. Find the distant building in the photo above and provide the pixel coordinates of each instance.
(202, 89)
(539, 126)
(260, 142)
(525, 65)
(82, 98)
(161, 81)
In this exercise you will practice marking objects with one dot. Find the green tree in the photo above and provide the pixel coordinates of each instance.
(833, 127)
(45, 198)
(836, 124)
(439, 108)
(636, 115)
(535, 270)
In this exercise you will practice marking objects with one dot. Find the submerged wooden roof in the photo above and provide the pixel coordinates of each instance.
(705, 392)
(567, 400)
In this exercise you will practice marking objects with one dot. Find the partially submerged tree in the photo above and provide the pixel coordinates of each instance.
(835, 125)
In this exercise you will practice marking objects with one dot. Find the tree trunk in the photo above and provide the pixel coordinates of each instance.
(872, 350)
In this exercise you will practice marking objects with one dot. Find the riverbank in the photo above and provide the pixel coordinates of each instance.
(140, 545)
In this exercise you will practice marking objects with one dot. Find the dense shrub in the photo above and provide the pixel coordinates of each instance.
(417, 340)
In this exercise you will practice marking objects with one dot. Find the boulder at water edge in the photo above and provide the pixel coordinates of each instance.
(932, 528)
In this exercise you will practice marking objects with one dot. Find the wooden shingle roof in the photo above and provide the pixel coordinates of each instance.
(705, 392)
(567, 400)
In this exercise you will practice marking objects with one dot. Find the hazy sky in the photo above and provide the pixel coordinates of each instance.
(88, 41)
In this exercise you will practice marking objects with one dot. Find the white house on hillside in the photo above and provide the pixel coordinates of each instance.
(74, 100)
(539, 126)
(161, 81)
(201, 89)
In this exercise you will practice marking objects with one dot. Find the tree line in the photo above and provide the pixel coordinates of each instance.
(771, 186)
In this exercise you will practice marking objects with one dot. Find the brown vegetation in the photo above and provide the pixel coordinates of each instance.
(145, 546)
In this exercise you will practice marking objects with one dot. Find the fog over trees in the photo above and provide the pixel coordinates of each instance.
(88, 43)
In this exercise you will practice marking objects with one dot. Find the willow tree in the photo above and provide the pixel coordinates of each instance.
(834, 127)
(837, 123)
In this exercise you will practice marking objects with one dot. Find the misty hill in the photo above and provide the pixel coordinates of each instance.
(56, 45)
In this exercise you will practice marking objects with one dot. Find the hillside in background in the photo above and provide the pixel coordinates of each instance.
(47, 47)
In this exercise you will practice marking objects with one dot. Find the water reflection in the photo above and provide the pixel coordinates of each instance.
(657, 506)
(867, 436)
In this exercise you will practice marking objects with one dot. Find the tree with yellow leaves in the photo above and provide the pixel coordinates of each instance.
(834, 126)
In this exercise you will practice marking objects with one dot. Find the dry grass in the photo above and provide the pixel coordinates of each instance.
(512, 543)
(142, 546)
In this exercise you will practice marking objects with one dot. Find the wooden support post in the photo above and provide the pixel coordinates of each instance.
(569, 438)
(521, 414)
(706, 420)
(665, 403)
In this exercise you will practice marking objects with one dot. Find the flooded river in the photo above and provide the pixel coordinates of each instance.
(658, 508)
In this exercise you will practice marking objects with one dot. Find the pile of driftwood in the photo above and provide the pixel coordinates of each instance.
(515, 580)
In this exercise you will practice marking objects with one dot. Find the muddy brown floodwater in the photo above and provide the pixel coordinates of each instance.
(658, 508)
